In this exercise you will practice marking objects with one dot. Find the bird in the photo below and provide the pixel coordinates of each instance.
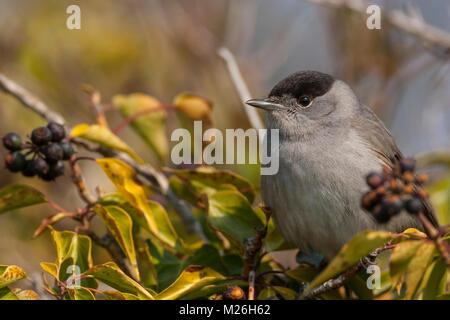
(328, 143)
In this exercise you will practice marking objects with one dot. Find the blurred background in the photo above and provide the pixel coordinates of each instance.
(162, 48)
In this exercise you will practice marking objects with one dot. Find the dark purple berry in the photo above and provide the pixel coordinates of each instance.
(41, 136)
(381, 214)
(28, 171)
(68, 150)
(393, 205)
(57, 130)
(413, 205)
(15, 162)
(57, 169)
(40, 166)
(369, 200)
(407, 165)
(53, 152)
(374, 180)
(12, 141)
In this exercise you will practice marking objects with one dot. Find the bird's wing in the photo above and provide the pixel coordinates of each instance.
(380, 141)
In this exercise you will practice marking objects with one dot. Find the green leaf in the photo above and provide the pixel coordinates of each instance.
(19, 196)
(216, 180)
(191, 279)
(417, 267)
(121, 227)
(7, 294)
(74, 254)
(358, 247)
(400, 257)
(10, 274)
(286, 293)
(110, 274)
(168, 266)
(434, 280)
(102, 135)
(150, 126)
(266, 293)
(303, 273)
(208, 256)
(116, 295)
(83, 294)
(232, 214)
(155, 216)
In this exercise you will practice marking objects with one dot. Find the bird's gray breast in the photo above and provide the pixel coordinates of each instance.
(315, 196)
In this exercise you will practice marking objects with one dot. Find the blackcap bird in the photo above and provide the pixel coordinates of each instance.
(328, 143)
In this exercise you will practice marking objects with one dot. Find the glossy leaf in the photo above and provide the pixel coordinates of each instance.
(120, 225)
(191, 279)
(303, 273)
(286, 293)
(83, 294)
(74, 255)
(126, 181)
(417, 267)
(103, 136)
(110, 274)
(400, 257)
(434, 281)
(19, 196)
(168, 266)
(116, 295)
(214, 179)
(150, 126)
(10, 274)
(358, 247)
(232, 214)
(208, 256)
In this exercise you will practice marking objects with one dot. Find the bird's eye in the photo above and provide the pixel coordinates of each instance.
(305, 101)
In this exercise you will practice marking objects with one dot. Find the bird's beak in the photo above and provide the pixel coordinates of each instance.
(265, 104)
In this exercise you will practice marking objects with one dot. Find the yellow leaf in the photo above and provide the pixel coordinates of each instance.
(195, 107)
(10, 274)
(105, 137)
(126, 181)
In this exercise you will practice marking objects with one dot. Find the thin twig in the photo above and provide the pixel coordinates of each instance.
(251, 285)
(79, 182)
(29, 100)
(241, 87)
(410, 23)
(338, 282)
(334, 283)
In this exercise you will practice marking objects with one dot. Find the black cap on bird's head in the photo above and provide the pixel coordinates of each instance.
(300, 85)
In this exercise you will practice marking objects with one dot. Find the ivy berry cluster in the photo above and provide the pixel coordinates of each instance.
(395, 189)
(44, 156)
